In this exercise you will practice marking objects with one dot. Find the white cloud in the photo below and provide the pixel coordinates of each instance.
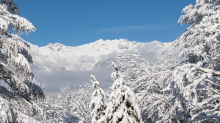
(55, 80)
(132, 28)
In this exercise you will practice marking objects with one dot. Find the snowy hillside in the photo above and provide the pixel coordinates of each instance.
(57, 64)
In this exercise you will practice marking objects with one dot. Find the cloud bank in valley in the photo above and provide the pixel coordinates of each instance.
(55, 80)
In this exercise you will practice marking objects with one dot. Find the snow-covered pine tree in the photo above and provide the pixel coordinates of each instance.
(97, 103)
(122, 106)
(61, 107)
(5, 111)
(196, 82)
(200, 41)
(82, 103)
(67, 99)
(68, 106)
(149, 82)
(17, 83)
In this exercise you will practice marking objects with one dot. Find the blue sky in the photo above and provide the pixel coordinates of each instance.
(78, 22)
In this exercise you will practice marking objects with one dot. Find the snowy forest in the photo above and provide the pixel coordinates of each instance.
(171, 91)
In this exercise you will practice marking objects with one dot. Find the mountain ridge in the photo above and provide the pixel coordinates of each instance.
(82, 57)
(57, 65)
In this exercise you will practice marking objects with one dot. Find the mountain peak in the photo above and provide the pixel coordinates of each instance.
(55, 45)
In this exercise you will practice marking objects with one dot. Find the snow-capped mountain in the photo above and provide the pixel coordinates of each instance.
(57, 65)
(57, 57)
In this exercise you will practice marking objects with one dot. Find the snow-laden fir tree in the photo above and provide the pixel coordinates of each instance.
(61, 107)
(122, 107)
(17, 83)
(200, 41)
(149, 83)
(69, 106)
(7, 116)
(97, 103)
(5, 111)
(82, 101)
(196, 82)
